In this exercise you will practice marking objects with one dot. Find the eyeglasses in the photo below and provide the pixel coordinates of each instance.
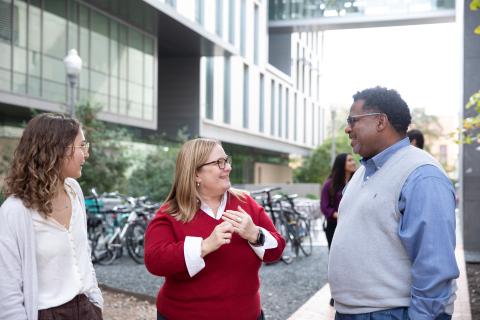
(221, 163)
(84, 146)
(352, 119)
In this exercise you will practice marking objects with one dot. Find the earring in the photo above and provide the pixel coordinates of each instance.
(198, 184)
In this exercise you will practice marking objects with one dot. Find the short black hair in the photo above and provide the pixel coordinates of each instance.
(416, 135)
(387, 101)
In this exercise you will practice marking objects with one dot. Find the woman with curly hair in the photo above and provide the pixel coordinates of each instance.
(45, 266)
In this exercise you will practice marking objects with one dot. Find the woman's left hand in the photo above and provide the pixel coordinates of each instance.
(242, 224)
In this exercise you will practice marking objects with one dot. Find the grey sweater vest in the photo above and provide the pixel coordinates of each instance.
(369, 269)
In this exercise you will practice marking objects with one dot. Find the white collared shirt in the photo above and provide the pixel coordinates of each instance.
(64, 267)
(193, 245)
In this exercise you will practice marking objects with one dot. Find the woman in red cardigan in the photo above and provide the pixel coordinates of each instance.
(208, 241)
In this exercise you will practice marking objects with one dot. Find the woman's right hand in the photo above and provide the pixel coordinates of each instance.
(220, 235)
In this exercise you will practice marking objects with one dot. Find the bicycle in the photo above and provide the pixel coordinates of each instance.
(299, 227)
(122, 226)
(273, 207)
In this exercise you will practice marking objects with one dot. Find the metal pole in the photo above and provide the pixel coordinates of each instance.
(333, 150)
(72, 80)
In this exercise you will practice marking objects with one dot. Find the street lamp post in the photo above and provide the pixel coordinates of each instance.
(73, 66)
(333, 150)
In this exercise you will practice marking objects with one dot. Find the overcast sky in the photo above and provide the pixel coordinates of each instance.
(422, 62)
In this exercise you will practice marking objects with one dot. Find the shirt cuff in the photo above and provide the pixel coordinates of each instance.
(270, 243)
(192, 249)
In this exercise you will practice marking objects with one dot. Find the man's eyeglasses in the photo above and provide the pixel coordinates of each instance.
(84, 146)
(221, 163)
(352, 119)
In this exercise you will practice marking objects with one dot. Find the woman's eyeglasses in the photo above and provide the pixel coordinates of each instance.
(84, 146)
(221, 163)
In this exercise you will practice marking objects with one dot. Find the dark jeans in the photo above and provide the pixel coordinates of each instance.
(260, 317)
(79, 308)
(389, 314)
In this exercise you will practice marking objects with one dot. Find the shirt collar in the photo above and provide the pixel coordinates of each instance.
(221, 209)
(379, 159)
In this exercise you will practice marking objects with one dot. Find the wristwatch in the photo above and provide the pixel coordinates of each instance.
(260, 239)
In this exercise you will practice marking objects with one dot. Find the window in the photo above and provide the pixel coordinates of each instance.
(304, 124)
(280, 110)
(313, 124)
(295, 116)
(243, 27)
(287, 113)
(256, 27)
(231, 19)
(246, 95)
(272, 108)
(209, 85)
(261, 104)
(219, 18)
(199, 11)
(226, 90)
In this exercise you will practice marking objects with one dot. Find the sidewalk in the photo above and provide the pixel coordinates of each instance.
(318, 307)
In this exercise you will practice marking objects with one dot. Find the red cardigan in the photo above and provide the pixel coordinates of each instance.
(228, 286)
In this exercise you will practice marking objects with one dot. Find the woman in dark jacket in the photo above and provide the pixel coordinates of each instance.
(342, 170)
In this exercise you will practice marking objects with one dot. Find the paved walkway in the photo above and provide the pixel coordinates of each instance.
(317, 307)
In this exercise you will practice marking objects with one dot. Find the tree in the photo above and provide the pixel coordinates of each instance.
(154, 177)
(106, 166)
(428, 124)
(471, 125)
(316, 168)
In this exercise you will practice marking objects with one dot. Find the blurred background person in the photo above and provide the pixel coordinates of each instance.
(342, 170)
(45, 266)
(208, 241)
(416, 138)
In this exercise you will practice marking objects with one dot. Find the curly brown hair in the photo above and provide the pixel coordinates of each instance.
(38, 159)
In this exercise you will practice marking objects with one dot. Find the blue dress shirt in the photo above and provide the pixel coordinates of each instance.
(427, 231)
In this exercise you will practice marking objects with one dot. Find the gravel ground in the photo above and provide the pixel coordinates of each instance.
(473, 275)
(284, 288)
(120, 306)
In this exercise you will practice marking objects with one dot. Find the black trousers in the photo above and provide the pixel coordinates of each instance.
(329, 231)
(160, 317)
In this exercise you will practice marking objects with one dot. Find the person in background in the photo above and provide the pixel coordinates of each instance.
(416, 138)
(209, 240)
(45, 266)
(342, 170)
(393, 253)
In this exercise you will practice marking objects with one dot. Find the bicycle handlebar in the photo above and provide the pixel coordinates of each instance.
(266, 190)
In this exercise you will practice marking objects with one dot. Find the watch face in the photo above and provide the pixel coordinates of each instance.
(261, 238)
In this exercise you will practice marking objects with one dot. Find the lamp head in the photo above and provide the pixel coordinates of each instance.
(73, 63)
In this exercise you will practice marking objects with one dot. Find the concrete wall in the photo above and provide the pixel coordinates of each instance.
(178, 95)
(272, 173)
(471, 153)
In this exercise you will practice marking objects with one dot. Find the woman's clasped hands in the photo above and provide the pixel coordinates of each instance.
(242, 224)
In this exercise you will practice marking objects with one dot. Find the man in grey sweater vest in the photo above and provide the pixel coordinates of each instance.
(392, 255)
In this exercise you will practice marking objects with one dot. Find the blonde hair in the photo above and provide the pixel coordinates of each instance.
(183, 201)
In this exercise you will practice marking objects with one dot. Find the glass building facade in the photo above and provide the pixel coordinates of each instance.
(308, 9)
(117, 46)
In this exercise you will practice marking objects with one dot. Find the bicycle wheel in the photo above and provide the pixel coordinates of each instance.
(104, 253)
(135, 241)
(305, 236)
(294, 248)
